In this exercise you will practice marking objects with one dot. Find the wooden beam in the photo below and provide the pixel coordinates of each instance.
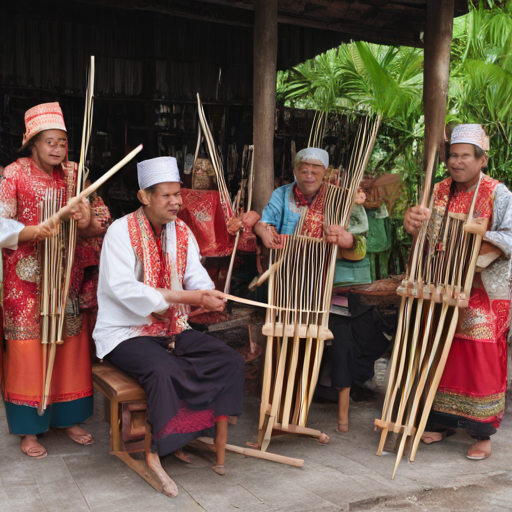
(264, 99)
(342, 23)
(438, 40)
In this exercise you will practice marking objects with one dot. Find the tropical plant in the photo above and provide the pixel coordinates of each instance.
(368, 78)
(481, 79)
(388, 81)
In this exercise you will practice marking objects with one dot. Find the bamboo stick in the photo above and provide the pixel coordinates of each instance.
(55, 219)
(249, 452)
(237, 212)
(248, 301)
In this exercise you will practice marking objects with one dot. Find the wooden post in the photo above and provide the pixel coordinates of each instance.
(264, 99)
(438, 39)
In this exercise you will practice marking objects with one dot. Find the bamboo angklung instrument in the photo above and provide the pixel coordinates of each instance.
(57, 253)
(438, 283)
(300, 291)
(58, 261)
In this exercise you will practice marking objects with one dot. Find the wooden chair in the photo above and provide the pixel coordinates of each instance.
(128, 419)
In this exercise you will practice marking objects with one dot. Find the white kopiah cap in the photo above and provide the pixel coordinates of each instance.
(163, 169)
(313, 156)
(470, 134)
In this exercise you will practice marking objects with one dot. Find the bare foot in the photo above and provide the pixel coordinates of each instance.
(219, 469)
(431, 437)
(342, 426)
(324, 439)
(169, 488)
(30, 447)
(79, 435)
(180, 454)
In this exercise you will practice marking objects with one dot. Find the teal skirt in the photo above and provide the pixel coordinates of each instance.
(25, 421)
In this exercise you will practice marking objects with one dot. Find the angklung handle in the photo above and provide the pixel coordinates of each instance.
(428, 176)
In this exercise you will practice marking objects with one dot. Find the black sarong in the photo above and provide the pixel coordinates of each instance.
(200, 380)
(358, 342)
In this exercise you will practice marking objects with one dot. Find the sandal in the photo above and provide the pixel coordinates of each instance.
(475, 454)
(35, 450)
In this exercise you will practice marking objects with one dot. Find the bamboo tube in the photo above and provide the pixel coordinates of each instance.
(291, 379)
(227, 285)
(276, 398)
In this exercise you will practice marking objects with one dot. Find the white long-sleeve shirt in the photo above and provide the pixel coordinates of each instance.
(124, 301)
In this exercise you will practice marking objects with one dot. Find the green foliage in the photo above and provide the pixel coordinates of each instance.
(388, 81)
(368, 78)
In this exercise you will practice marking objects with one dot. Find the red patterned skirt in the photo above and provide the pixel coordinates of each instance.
(474, 382)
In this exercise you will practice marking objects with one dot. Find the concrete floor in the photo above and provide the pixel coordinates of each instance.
(344, 475)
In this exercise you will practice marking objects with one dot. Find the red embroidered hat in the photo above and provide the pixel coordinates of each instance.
(470, 134)
(47, 116)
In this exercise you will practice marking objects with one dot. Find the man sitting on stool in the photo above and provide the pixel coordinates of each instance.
(150, 271)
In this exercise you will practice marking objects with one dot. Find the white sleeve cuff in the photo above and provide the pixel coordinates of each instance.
(9, 233)
(162, 306)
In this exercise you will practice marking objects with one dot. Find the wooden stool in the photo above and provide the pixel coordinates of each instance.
(125, 393)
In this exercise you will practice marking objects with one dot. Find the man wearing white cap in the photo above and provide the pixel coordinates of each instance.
(280, 217)
(150, 272)
(472, 390)
(285, 207)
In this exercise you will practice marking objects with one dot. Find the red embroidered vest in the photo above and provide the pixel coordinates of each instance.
(21, 192)
(478, 321)
(460, 202)
(157, 273)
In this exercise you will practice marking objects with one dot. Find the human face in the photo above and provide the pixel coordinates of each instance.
(49, 149)
(463, 165)
(162, 206)
(309, 177)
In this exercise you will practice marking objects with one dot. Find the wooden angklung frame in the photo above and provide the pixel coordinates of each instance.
(438, 283)
(301, 276)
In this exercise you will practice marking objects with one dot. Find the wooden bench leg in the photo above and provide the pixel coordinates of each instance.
(140, 466)
(115, 438)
